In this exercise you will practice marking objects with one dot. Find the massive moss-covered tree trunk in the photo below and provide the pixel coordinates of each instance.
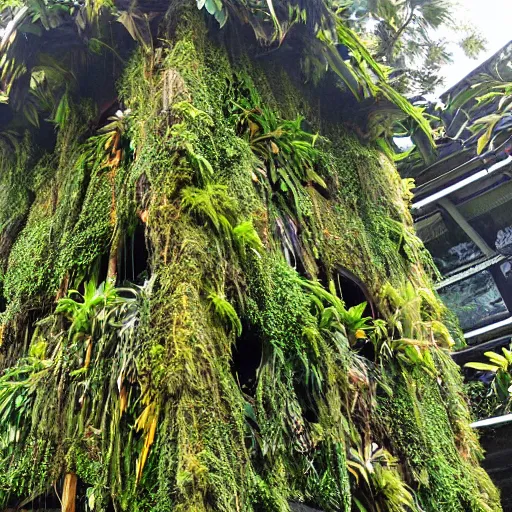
(235, 376)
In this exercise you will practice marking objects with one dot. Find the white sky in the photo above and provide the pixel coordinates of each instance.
(493, 18)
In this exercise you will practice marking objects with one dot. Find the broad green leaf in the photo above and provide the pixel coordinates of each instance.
(497, 359)
(359, 505)
(221, 17)
(507, 354)
(212, 6)
(31, 114)
(482, 366)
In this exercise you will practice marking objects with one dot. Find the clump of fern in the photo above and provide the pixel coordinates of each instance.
(246, 238)
(287, 155)
(225, 312)
(213, 203)
(219, 209)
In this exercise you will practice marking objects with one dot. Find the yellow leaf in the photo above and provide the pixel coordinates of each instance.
(88, 354)
(486, 137)
(356, 475)
(275, 148)
(152, 431)
(143, 418)
(148, 441)
(253, 128)
(482, 142)
(144, 216)
(123, 400)
(360, 334)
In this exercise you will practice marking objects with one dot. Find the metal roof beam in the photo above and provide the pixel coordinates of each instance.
(452, 211)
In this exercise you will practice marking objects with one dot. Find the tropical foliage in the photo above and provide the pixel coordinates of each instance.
(484, 105)
(489, 94)
(48, 81)
(181, 151)
(404, 35)
(500, 386)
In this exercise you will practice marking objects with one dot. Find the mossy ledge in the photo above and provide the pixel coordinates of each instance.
(232, 378)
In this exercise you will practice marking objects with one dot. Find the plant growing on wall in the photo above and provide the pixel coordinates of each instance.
(235, 376)
(499, 365)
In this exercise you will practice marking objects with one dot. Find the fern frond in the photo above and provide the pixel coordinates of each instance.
(226, 312)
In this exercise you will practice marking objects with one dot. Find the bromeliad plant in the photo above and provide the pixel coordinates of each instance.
(375, 471)
(334, 316)
(485, 127)
(106, 319)
(412, 325)
(287, 155)
(500, 366)
(88, 308)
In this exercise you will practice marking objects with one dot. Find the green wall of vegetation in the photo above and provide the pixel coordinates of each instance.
(250, 201)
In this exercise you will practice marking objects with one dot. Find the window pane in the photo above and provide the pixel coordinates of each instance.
(474, 300)
(450, 247)
(495, 227)
(491, 215)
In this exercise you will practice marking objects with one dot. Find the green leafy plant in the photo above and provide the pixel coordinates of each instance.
(18, 386)
(91, 306)
(501, 366)
(149, 401)
(287, 155)
(412, 326)
(246, 238)
(225, 312)
(484, 127)
(488, 92)
(333, 314)
(375, 471)
(212, 203)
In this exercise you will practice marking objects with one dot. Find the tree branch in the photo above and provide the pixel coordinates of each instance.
(399, 32)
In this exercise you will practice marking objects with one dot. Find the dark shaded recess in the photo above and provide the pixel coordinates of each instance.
(354, 292)
(102, 267)
(350, 288)
(299, 507)
(97, 272)
(246, 358)
(6, 115)
(310, 414)
(341, 106)
(107, 109)
(3, 301)
(48, 501)
(498, 459)
(135, 256)
(309, 407)
(15, 344)
(46, 136)
(96, 79)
